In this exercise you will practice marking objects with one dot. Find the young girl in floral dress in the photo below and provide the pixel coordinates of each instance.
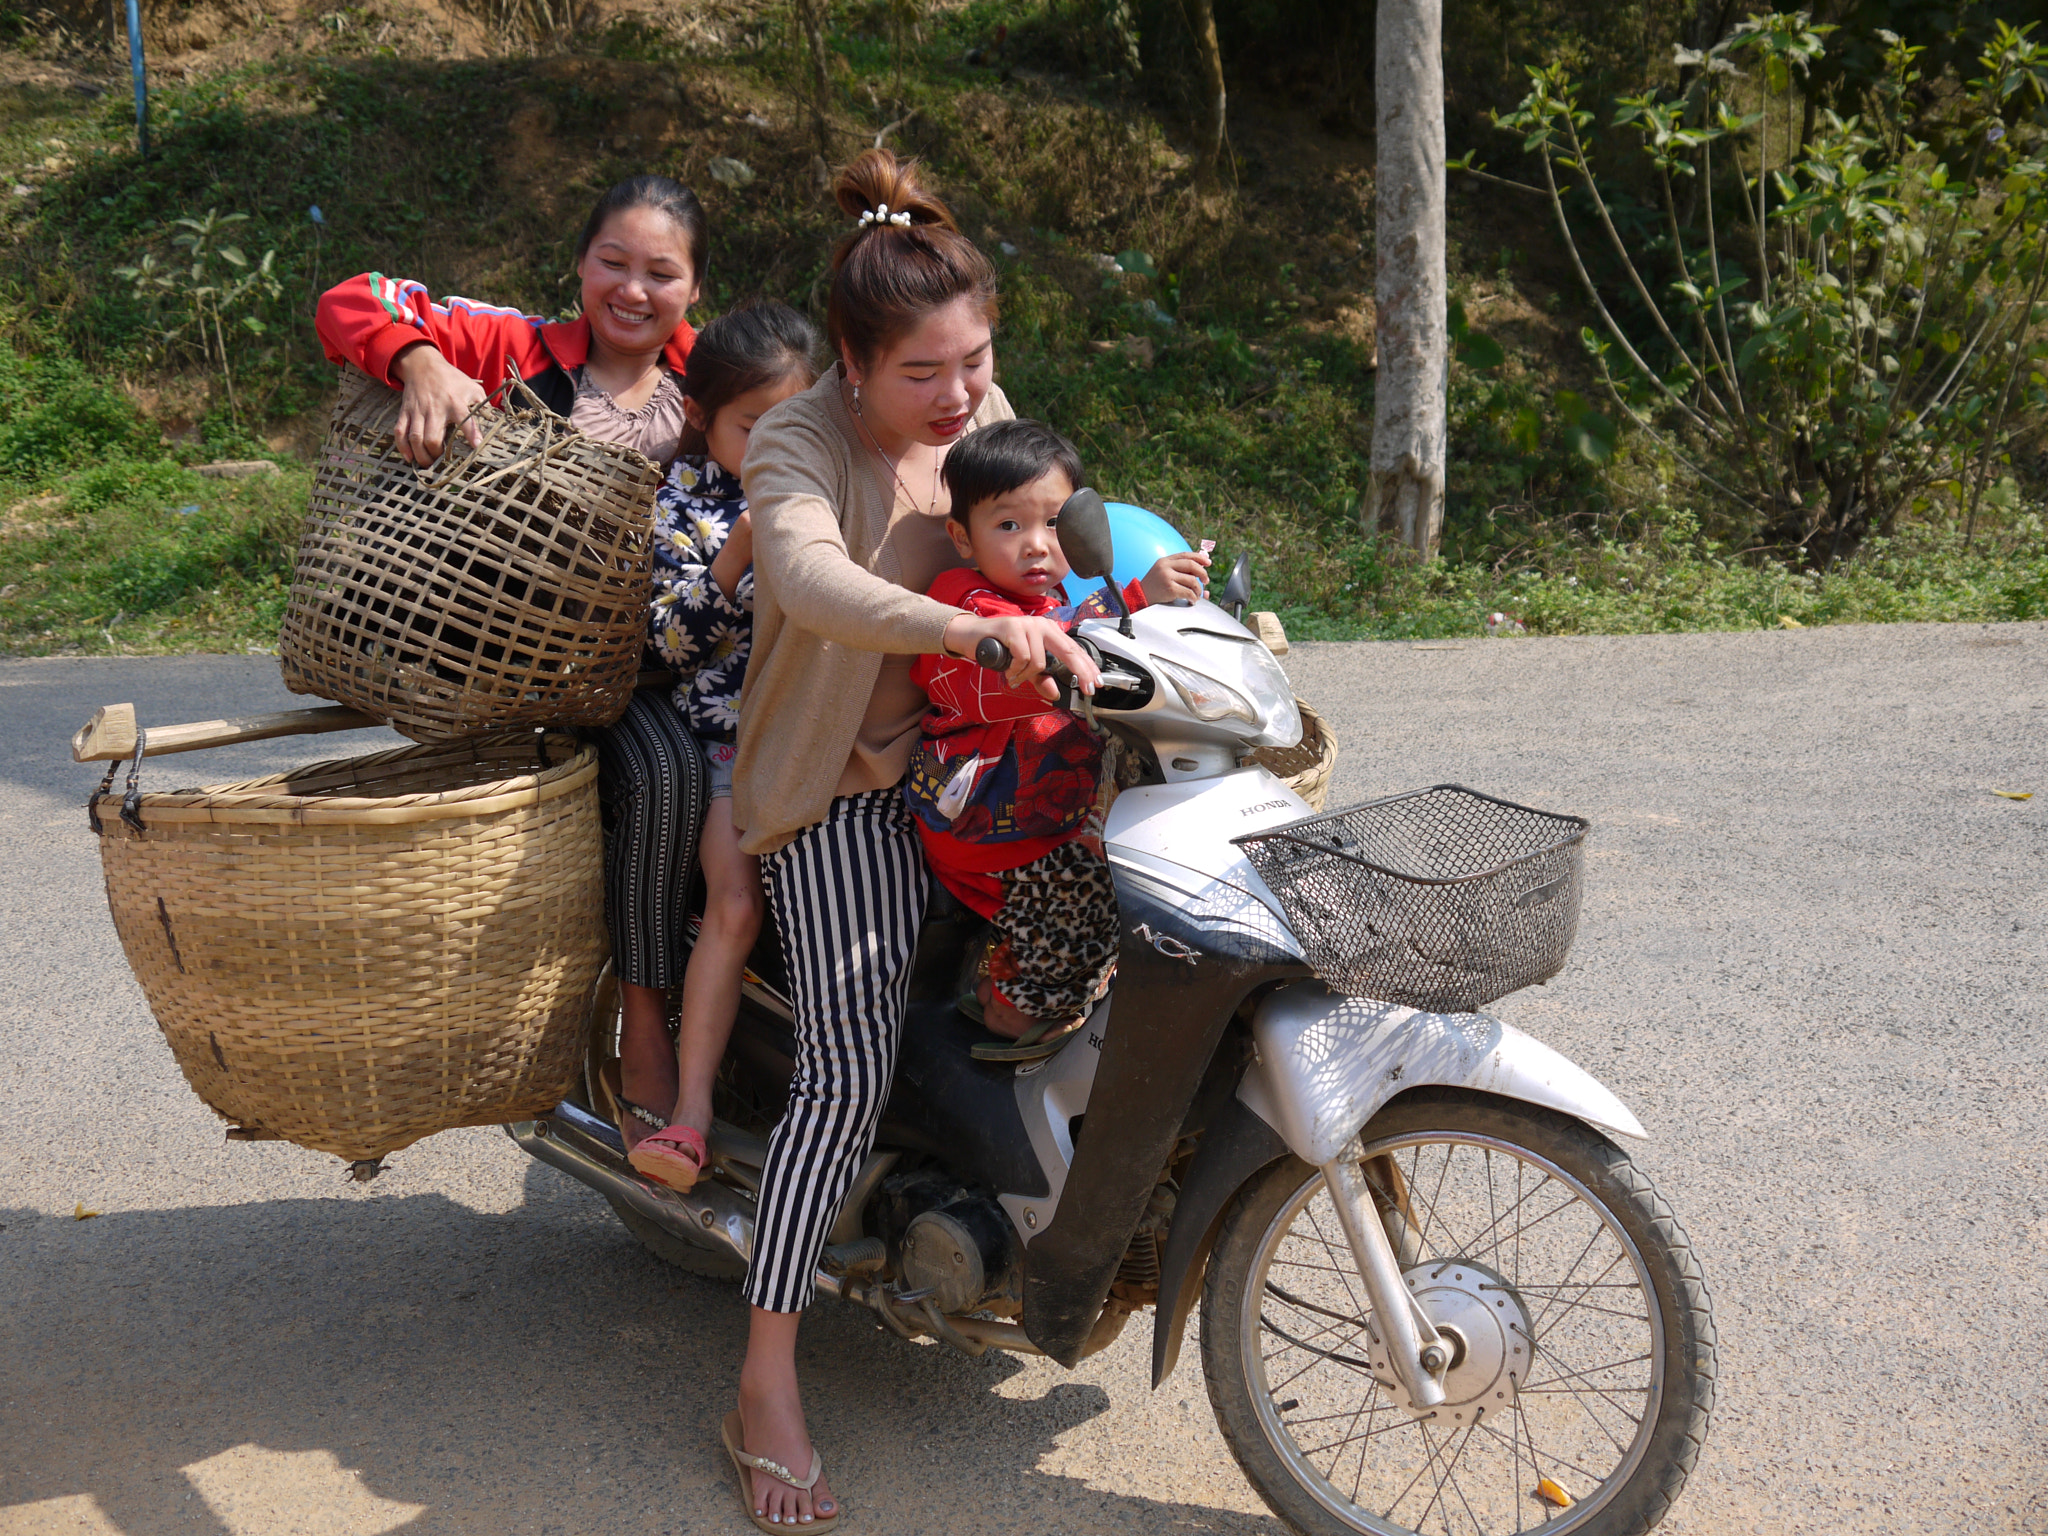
(703, 626)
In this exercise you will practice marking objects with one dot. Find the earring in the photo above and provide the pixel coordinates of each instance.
(856, 397)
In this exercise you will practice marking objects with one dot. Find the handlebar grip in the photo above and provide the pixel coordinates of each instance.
(993, 654)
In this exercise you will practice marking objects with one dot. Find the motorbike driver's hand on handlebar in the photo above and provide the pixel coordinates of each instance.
(1030, 642)
(1176, 576)
(437, 396)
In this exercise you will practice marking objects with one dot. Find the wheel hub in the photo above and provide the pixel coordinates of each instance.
(1485, 1326)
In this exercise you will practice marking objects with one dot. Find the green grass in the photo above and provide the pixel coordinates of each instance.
(109, 541)
(1645, 589)
(120, 564)
(1203, 388)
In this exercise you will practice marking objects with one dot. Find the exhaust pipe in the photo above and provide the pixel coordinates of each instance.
(584, 1147)
(713, 1216)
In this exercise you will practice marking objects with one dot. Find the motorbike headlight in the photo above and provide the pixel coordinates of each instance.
(1206, 698)
(1279, 716)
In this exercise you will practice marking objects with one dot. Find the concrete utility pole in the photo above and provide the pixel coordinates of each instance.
(1405, 498)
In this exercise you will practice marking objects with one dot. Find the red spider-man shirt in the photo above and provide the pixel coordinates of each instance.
(1041, 766)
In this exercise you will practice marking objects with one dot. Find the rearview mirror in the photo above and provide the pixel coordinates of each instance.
(1237, 592)
(1084, 535)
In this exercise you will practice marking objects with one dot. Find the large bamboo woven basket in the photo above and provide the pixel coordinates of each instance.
(357, 954)
(502, 587)
(1308, 764)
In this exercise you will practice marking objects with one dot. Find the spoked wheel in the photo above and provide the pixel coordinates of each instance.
(1582, 1370)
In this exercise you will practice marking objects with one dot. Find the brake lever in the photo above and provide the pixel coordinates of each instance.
(995, 656)
(1061, 675)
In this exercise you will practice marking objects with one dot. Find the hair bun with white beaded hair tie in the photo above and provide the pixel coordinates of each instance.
(903, 259)
(876, 189)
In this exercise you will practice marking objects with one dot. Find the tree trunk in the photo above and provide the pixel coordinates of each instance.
(810, 20)
(1405, 499)
(1209, 127)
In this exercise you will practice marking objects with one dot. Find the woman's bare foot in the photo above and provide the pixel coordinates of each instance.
(647, 1061)
(773, 1417)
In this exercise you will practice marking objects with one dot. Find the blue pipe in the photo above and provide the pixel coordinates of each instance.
(141, 77)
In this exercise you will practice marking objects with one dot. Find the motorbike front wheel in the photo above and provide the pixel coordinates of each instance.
(1582, 1371)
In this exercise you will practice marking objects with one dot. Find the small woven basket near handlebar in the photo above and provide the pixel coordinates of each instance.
(1306, 766)
(1442, 898)
(503, 586)
(356, 954)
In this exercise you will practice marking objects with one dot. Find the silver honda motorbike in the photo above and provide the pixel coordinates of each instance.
(1436, 1295)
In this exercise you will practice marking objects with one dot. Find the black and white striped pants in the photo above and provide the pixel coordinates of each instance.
(651, 785)
(848, 895)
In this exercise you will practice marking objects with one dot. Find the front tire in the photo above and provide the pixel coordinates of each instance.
(1585, 1342)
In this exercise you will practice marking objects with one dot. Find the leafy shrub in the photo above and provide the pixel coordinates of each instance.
(53, 414)
(193, 554)
(1844, 336)
(147, 484)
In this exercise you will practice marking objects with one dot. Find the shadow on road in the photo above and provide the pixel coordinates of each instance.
(369, 1362)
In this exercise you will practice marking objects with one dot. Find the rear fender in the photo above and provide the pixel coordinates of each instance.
(1326, 1063)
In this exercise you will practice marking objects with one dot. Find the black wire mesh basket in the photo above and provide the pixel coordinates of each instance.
(1441, 898)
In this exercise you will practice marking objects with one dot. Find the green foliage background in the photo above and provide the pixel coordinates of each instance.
(1206, 378)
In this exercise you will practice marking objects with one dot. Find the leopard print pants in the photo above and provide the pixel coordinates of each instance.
(1056, 932)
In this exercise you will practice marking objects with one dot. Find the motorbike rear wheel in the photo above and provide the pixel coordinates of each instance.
(1583, 1341)
(592, 1095)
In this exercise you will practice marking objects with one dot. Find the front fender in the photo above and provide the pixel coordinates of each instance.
(1326, 1063)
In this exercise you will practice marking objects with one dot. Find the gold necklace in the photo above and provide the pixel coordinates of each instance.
(889, 464)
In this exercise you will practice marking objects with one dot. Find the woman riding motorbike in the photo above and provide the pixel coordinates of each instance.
(616, 374)
(849, 530)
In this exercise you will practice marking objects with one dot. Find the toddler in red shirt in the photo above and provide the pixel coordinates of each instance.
(1003, 783)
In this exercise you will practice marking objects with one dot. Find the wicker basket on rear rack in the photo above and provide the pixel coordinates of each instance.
(505, 586)
(356, 954)
(1442, 898)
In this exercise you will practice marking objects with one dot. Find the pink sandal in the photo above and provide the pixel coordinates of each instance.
(674, 1157)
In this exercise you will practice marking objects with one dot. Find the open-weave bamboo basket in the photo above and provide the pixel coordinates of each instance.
(500, 587)
(1307, 765)
(357, 954)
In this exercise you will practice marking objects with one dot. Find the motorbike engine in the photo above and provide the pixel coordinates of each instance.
(950, 1240)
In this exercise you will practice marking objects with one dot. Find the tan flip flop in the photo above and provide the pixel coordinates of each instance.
(733, 1433)
(624, 1109)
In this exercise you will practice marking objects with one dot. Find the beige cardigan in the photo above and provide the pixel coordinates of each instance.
(840, 570)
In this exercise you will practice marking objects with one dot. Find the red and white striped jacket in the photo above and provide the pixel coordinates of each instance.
(369, 319)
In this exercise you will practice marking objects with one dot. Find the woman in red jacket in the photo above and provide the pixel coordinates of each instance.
(615, 372)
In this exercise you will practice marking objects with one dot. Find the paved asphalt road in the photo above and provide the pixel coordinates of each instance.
(1814, 959)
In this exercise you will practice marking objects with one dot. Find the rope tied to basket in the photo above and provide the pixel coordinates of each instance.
(548, 423)
(131, 800)
(504, 586)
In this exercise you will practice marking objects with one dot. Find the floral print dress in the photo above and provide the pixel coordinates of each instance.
(695, 628)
